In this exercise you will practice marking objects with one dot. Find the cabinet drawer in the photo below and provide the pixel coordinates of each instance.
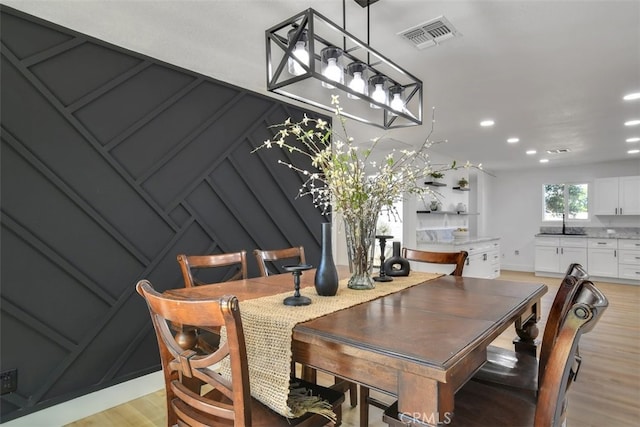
(573, 242)
(547, 241)
(629, 257)
(629, 272)
(603, 243)
(629, 244)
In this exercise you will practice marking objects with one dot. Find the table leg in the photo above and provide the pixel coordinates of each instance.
(423, 401)
(528, 332)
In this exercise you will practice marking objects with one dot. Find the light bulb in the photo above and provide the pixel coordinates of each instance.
(300, 52)
(396, 102)
(357, 85)
(378, 95)
(332, 72)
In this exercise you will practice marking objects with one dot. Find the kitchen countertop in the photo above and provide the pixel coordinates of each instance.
(598, 233)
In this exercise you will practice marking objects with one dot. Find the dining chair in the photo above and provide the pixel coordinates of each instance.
(225, 401)
(521, 370)
(213, 264)
(480, 404)
(457, 260)
(266, 258)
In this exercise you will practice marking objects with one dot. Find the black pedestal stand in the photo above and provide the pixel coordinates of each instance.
(297, 299)
(382, 277)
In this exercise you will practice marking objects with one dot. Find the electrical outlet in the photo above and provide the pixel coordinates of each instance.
(517, 252)
(8, 381)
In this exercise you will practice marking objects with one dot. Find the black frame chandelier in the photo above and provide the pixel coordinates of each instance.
(310, 58)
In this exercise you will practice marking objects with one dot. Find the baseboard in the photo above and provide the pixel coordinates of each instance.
(92, 403)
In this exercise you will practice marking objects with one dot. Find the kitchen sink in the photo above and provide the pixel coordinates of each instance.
(562, 234)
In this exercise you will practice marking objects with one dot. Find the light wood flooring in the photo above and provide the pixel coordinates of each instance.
(607, 392)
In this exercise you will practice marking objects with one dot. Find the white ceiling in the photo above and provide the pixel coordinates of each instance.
(552, 73)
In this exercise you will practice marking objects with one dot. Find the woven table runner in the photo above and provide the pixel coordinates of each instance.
(268, 325)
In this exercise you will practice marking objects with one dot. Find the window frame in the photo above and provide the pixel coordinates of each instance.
(565, 201)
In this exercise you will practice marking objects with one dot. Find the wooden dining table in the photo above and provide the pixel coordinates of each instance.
(420, 344)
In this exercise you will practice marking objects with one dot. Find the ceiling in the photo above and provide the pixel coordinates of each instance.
(552, 73)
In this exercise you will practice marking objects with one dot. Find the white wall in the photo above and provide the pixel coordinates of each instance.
(514, 206)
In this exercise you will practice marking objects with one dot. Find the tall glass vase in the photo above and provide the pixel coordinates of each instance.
(361, 235)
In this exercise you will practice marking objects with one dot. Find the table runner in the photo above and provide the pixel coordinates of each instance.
(268, 326)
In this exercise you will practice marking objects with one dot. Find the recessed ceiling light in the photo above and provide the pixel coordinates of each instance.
(636, 151)
(489, 122)
(530, 152)
(632, 123)
(634, 139)
(544, 160)
(513, 140)
(631, 96)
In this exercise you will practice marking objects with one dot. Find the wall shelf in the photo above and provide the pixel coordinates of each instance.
(435, 184)
(445, 212)
(462, 189)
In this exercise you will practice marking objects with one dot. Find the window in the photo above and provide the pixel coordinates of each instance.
(572, 200)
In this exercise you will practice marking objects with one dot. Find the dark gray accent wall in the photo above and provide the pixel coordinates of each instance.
(112, 163)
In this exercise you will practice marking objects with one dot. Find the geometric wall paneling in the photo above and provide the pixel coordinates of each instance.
(112, 163)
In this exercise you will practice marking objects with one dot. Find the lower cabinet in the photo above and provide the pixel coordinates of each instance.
(629, 259)
(603, 257)
(555, 254)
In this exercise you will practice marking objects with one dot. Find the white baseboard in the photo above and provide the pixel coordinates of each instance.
(92, 403)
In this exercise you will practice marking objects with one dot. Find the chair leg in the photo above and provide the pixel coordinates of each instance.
(364, 406)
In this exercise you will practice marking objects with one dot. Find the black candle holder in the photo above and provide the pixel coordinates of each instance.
(297, 299)
(382, 277)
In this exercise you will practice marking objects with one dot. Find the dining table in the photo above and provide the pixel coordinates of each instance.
(421, 343)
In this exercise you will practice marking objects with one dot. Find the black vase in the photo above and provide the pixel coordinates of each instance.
(326, 280)
(396, 266)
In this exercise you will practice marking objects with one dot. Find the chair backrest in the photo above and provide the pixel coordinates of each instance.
(184, 368)
(265, 258)
(579, 319)
(237, 260)
(454, 258)
(564, 299)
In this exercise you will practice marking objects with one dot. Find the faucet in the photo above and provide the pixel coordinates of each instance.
(564, 227)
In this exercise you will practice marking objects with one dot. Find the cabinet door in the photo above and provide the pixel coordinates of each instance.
(629, 195)
(547, 259)
(478, 265)
(603, 262)
(606, 196)
(569, 255)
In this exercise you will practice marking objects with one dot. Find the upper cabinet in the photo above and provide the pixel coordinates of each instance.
(617, 196)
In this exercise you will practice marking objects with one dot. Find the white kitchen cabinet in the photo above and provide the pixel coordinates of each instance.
(603, 257)
(555, 254)
(617, 196)
(629, 259)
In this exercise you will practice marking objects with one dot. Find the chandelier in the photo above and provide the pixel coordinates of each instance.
(309, 58)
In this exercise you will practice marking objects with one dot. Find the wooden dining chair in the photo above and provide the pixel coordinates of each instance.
(455, 259)
(479, 404)
(236, 261)
(224, 402)
(267, 267)
(266, 258)
(520, 370)
(209, 269)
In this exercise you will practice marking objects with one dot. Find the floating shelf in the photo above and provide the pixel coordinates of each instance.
(445, 212)
(435, 184)
(462, 189)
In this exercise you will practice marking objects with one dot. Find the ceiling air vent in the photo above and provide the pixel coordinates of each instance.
(558, 151)
(430, 33)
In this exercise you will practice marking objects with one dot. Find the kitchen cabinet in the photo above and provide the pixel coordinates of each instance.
(629, 259)
(483, 260)
(617, 196)
(555, 254)
(603, 257)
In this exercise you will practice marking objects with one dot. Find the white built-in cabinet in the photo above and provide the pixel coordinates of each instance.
(555, 254)
(483, 260)
(629, 259)
(617, 196)
(603, 257)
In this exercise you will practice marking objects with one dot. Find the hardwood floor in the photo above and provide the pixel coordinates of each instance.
(606, 393)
